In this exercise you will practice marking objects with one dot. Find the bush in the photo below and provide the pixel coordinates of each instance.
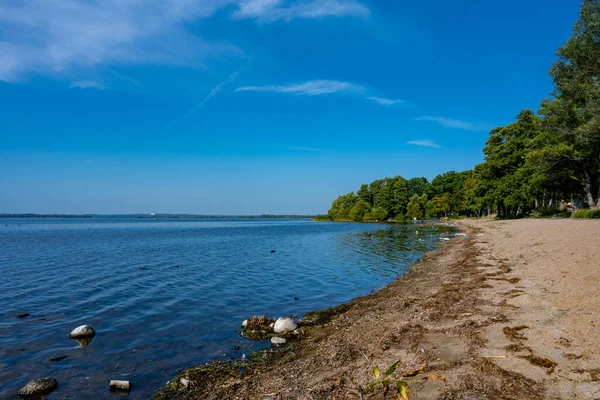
(550, 214)
(323, 218)
(589, 213)
(379, 214)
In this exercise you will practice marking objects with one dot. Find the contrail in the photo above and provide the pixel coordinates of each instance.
(212, 94)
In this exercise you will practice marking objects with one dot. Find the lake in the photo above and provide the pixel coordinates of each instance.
(166, 294)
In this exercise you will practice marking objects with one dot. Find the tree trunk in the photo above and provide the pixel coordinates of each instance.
(587, 186)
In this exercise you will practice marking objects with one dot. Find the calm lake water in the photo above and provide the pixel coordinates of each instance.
(166, 294)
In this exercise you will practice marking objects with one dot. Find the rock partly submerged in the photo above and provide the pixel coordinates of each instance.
(82, 331)
(117, 386)
(83, 334)
(38, 387)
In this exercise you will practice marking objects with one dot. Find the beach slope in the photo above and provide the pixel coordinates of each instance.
(511, 311)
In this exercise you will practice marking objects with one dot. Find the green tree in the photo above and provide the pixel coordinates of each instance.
(359, 210)
(451, 183)
(340, 208)
(400, 197)
(438, 206)
(503, 181)
(417, 207)
(572, 117)
(378, 214)
(417, 186)
(364, 194)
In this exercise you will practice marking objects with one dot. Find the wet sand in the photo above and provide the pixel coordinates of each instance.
(510, 312)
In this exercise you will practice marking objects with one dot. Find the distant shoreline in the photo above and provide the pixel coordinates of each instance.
(156, 216)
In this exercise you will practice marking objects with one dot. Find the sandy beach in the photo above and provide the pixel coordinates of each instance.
(511, 311)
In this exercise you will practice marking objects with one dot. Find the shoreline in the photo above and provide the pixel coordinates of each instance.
(451, 324)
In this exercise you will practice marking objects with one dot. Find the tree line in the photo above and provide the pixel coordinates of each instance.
(530, 165)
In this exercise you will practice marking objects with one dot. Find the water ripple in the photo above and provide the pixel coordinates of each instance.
(163, 295)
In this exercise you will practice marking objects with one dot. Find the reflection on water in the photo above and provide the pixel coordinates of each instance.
(163, 295)
(84, 341)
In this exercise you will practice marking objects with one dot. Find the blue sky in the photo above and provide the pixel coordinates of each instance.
(255, 106)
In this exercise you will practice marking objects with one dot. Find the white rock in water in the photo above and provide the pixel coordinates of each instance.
(277, 340)
(245, 323)
(39, 387)
(123, 386)
(82, 331)
(284, 324)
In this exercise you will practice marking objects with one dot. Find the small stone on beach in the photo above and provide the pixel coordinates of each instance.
(284, 324)
(38, 387)
(277, 340)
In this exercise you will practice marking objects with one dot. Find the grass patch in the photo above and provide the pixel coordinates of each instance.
(322, 317)
(589, 213)
(216, 373)
(551, 214)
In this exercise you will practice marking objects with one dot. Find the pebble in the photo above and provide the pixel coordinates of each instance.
(277, 340)
(39, 387)
(82, 331)
(185, 382)
(284, 324)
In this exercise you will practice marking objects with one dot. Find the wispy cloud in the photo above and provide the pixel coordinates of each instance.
(273, 10)
(454, 123)
(309, 88)
(209, 97)
(89, 162)
(89, 85)
(309, 149)
(385, 102)
(424, 143)
(55, 37)
(321, 87)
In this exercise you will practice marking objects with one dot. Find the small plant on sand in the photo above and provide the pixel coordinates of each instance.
(387, 381)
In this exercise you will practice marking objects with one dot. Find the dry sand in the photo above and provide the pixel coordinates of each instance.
(511, 312)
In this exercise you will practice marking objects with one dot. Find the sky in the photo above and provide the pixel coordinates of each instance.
(256, 106)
